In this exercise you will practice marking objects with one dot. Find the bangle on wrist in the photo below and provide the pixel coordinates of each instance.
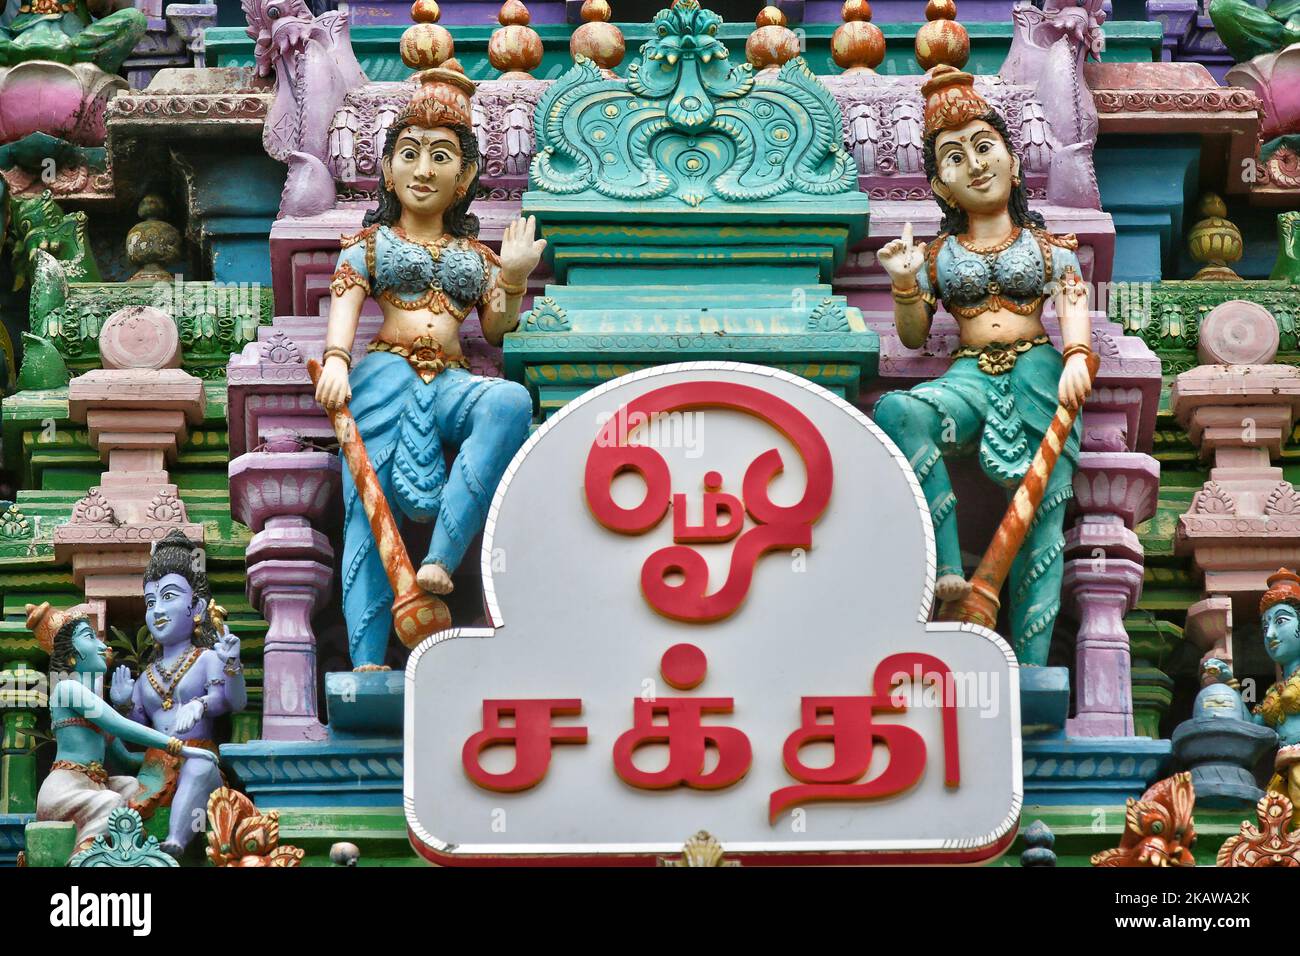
(174, 746)
(906, 296)
(1077, 348)
(341, 352)
(510, 288)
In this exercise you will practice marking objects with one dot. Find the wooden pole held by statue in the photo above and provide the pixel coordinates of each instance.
(416, 613)
(981, 603)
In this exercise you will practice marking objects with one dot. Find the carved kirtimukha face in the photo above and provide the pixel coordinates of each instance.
(169, 609)
(1282, 633)
(427, 169)
(975, 168)
(91, 653)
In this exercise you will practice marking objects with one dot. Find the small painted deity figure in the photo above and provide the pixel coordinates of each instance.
(993, 265)
(89, 733)
(70, 31)
(194, 677)
(418, 256)
(1248, 30)
(1280, 708)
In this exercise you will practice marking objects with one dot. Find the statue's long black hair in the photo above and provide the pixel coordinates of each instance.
(177, 554)
(61, 655)
(458, 221)
(955, 221)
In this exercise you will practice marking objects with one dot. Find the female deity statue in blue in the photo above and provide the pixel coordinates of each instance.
(993, 265)
(419, 258)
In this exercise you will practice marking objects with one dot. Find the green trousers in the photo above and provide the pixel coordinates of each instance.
(1002, 419)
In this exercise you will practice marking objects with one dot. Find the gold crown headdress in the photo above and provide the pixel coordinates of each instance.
(45, 623)
(950, 99)
(444, 92)
(1283, 587)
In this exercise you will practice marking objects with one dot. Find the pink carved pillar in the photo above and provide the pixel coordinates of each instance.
(138, 409)
(1114, 492)
(1244, 523)
(280, 493)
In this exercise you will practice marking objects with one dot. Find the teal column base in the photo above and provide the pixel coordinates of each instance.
(1147, 183)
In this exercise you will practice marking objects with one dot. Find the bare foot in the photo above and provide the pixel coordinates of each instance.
(434, 579)
(951, 587)
(367, 668)
(172, 849)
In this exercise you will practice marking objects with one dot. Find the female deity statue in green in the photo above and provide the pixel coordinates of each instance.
(993, 266)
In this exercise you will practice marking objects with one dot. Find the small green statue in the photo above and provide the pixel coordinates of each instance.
(70, 31)
(1247, 31)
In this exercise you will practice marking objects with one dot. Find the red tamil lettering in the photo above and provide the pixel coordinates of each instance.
(683, 666)
(853, 736)
(531, 736)
(778, 527)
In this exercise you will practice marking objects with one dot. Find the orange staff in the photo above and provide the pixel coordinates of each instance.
(981, 603)
(416, 613)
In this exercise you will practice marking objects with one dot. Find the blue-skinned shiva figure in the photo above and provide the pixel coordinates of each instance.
(413, 396)
(993, 266)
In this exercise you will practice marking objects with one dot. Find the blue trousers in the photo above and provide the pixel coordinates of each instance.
(404, 423)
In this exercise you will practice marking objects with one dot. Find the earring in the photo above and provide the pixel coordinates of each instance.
(198, 624)
(388, 184)
(72, 660)
(1015, 180)
(460, 193)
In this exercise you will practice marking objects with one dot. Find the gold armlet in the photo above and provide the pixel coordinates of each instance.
(345, 277)
(1072, 286)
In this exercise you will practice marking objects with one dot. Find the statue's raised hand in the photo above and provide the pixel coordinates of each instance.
(902, 259)
(227, 648)
(122, 687)
(520, 250)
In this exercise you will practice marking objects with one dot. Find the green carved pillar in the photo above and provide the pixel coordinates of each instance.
(1151, 641)
(21, 695)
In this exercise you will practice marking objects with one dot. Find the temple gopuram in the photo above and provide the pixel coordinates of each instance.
(683, 433)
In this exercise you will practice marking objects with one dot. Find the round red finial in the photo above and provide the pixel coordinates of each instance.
(515, 48)
(857, 46)
(942, 40)
(598, 39)
(772, 44)
(425, 11)
(683, 666)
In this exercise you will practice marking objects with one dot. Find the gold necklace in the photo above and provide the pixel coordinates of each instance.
(1002, 246)
(1281, 701)
(173, 679)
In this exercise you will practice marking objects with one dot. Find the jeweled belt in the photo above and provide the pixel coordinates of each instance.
(47, 7)
(998, 358)
(425, 354)
(94, 770)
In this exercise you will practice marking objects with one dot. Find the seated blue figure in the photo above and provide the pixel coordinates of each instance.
(993, 265)
(413, 395)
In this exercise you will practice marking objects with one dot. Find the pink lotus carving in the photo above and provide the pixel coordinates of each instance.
(64, 101)
(1275, 79)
